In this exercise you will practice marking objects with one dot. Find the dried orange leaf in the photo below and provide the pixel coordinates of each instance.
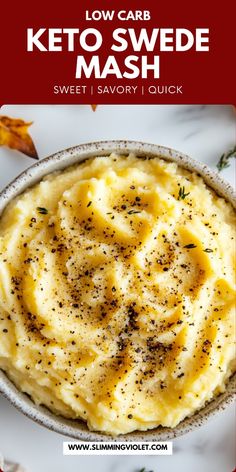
(14, 134)
(94, 107)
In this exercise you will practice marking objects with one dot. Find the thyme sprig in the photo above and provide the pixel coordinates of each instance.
(224, 159)
(132, 212)
(182, 193)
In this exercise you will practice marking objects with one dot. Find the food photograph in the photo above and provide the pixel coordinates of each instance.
(117, 285)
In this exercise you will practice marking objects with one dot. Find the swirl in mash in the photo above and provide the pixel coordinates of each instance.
(116, 293)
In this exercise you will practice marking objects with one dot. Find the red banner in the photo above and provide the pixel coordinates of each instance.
(117, 52)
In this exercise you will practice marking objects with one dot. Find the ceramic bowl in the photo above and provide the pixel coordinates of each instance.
(74, 428)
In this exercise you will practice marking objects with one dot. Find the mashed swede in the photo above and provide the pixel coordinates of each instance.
(117, 293)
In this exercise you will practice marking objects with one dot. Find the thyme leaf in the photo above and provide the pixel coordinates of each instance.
(42, 210)
(224, 159)
(182, 193)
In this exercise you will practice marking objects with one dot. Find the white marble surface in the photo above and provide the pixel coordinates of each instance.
(204, 132)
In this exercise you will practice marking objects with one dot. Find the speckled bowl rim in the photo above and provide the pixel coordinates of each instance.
(75, 428)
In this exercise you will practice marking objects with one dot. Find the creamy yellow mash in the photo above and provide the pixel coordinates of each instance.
(117, 293)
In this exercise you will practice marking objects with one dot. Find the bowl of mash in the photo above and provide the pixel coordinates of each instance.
(117, 292)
